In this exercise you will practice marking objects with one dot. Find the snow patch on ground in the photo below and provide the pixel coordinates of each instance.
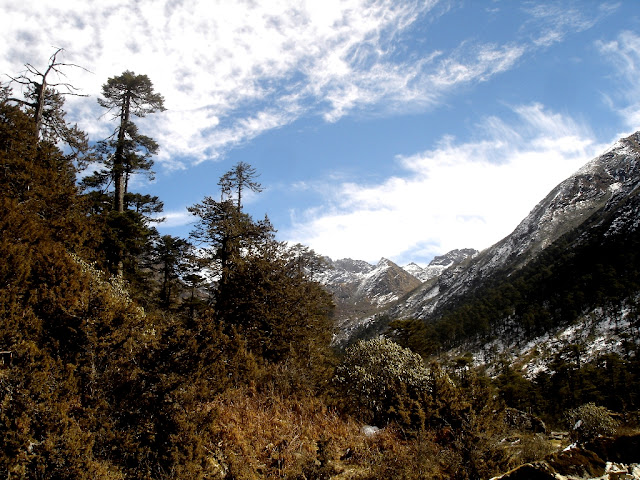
(600, 331)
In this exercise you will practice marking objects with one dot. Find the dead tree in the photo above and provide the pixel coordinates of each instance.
(44, 99)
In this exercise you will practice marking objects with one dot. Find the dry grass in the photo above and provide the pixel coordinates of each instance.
(268, 436)
(264, 436)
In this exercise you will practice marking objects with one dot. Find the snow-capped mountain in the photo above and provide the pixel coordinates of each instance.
(601, 185)
(599, 204)
(361, 289)
(440, 263)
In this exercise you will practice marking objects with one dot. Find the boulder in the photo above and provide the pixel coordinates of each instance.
(524, 421)
(622, 449)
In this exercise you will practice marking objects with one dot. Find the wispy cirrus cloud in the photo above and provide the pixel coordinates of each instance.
(230, 71)
(552, 22)
(623, 53)
(476, 63)
(477, 190)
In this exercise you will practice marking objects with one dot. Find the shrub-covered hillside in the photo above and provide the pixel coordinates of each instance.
(129, 355)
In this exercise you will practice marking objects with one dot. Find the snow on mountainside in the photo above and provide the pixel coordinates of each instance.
(600, 330)
(606, 187)
(358, 286)
(604, 181)
(360, 290)
(440, 263)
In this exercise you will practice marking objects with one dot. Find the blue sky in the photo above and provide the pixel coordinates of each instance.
(397, 129)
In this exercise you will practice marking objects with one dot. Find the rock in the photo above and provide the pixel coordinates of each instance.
(622, 449)
(524, 421)
(574, 463)
(577, 462)
(529, 471)
(622, 455)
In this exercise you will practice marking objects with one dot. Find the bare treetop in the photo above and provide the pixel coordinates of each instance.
(45, 98)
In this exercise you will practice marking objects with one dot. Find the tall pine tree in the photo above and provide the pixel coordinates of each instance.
(126, 152)
(263, 291)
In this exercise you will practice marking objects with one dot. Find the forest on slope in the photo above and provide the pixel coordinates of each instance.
(593, 270)
(120, 358)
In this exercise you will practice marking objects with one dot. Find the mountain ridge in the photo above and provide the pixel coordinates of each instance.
(602, 192)
(566, 207)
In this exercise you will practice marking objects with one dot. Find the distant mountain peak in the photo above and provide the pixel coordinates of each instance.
(440, 263)
(384, 262)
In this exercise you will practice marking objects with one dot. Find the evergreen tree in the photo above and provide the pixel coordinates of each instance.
(168, 260)
(195, 301)
(237, 180)
(263, 288)
(229, 236)
(127, 151)
(126, 217)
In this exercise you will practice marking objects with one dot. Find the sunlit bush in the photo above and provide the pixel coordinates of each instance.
(383, 379)
(590, 421)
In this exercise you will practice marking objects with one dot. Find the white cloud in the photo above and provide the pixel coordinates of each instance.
(176, 218)
(475, 64)
(231, 70)
(552, 22)
(460, 194)
(624, 54)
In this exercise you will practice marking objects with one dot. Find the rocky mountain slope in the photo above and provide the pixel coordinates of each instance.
(599, 186)
(360, 290)
(440, 263)
(598, 205)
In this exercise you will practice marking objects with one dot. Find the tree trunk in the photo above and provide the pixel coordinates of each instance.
(118, 160)
(42, 88)
(119, 173)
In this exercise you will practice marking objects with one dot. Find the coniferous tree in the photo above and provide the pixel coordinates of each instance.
(128, 151)
(168, 260)
(126, 216)
(263, 288)
(229, 236)
(195, 301)
(236, 181)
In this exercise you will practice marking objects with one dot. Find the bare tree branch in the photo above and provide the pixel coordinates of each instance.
(45, 97)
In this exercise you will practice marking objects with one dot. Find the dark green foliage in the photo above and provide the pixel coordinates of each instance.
(609, 380)
(125, 217)
(518, 392)
(169, 261)
(569, 278)
(277, 309)
(128, 151)
(263, 291)
(385, 382)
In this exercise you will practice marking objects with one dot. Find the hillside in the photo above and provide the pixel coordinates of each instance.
(360, 290)
(551, 312)
(128, 355)
(579, 241)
